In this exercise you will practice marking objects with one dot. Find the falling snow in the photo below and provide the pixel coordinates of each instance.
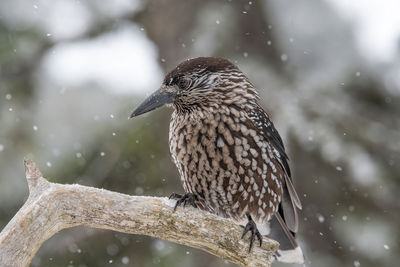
(321, 218)
(125, 260)
(315, 104)
(139, 190)
(112, 249)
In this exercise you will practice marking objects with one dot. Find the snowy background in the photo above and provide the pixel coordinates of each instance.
(328, 72)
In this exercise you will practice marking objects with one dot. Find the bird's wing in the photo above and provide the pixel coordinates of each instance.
(261, 120)
(290, 200)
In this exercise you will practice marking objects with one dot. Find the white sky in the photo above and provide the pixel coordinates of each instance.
(377, 26)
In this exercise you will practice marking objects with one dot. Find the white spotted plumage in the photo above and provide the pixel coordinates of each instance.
(227, 150)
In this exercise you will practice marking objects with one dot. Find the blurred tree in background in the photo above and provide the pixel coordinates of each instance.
(72, 71)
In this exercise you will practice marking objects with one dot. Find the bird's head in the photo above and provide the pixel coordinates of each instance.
(201, 83)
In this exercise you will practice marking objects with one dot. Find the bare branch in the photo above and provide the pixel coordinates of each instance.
(52, 207)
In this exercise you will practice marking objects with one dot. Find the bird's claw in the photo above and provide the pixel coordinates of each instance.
(252, 228)
(175, 196)
(188, 198)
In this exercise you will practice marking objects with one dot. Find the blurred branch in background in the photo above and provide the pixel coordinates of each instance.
(52, 207)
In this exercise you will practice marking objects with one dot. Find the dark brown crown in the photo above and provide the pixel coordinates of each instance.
(193, 65)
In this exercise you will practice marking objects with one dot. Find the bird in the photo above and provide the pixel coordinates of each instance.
(230, 157)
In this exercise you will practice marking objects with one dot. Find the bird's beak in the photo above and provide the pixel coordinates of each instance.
(157, 99)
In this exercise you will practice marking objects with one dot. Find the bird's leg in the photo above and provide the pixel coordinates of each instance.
(187, 198)
(252, 228)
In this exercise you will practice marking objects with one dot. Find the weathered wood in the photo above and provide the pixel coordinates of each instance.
(52, 207)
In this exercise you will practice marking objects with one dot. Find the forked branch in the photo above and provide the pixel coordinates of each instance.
(52, 207)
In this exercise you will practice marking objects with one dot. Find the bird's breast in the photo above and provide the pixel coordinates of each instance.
(222, 159)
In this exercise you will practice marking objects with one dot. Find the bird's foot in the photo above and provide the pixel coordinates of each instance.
(188, 198)
(252, 228)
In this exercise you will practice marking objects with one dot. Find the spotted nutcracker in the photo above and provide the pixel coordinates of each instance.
(231, 159)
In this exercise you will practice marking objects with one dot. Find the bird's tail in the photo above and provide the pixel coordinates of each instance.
(289, 251)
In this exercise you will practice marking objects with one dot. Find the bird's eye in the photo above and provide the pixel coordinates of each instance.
(184, 83)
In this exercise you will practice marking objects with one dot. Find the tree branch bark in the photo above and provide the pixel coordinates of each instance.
(52, 207)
